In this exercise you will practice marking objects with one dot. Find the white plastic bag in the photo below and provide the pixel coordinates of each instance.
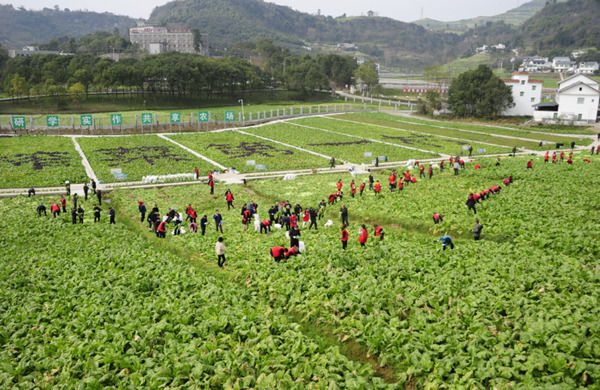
(301, 247)
(328, 223)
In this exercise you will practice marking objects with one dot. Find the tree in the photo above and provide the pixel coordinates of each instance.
(18, 86)
(77, 92)
(432, 102)
(84, 77)
(367, 75)
(479, 93)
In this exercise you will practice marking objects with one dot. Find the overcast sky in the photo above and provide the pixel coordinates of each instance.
(405, 10)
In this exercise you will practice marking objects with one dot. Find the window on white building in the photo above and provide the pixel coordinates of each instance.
(522, 93)
(580, 100)
(532, 100)
(522, 82)
(533, 88)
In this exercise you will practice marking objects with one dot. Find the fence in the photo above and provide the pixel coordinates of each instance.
(198, 121)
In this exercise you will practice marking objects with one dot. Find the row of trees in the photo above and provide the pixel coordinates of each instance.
(269, 66)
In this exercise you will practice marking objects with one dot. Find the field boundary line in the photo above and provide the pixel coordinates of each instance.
(417, 132)
(89, 171)
(288, 145)
(370, 139)
(216, 164)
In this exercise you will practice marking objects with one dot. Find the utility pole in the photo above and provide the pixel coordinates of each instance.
(243, 116)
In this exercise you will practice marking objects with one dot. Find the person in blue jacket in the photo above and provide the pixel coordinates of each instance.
(446, 242)
(218, 221)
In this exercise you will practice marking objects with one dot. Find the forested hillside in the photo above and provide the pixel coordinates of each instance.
(19, 27)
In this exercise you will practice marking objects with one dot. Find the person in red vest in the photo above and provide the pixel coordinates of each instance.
(392, 180)
(278, 253)
(211, 184)
(246, 215)
(229, 198)
(495, 189)
(406, 177)
(437, 218)
(161, 230)
(339, 185)
(55, 210)
(363, 235)
(305, 217)
(63, 203)
(331, 199)
(430, 171)
(462, 163)
(400, 185)
(188, 211)
(193, 216)
(571, 155)
(210, 175)
(546, 156)
(362, 188)
(379, 232)
(442, 166)
(562, 156)
(553, 157)
(352, 188)
(293, 221)
(586, 160)
(293, 251)
(344, 237)
(196, 173)
(508, 181)
(471, 203)
(477, 166)
(451, 160)
(570, 161)
(377, 187)
(529, 164)
(477, 197)
(266, 226)
(413, 179)
(485, 194)
(421, 171)
(339, 195)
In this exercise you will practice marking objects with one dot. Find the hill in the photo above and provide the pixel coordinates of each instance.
(230, 21)
(562, 26)
(516, 17)
(19, 27)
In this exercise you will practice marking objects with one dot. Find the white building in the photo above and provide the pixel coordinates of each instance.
(525, 92)
(536, 64)
(590, 67)
(576, 102)
(156, 40)
(563, 64)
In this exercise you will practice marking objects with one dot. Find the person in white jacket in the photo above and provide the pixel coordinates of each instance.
(220, 250)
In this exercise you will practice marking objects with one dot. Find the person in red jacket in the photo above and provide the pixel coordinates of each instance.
(293, 221)
(352, 188)
(554, 158)
(392, 180)
(305, 217)
(196, 173)
(421, 171)
(508, 181)
(379, 232)
(363, 235)
(562, 156)
(246, 215)
(63, 203)
(477, 166)
(344, 237)
(210, 175)
(546, 156)
(437, 218)
(229, 198)
(266, 226)
(377, 187)
(442, 166)
(161, 230)
(55, 210)
(339, 185)
(193, 216)
(211, 184)
(570, 161)
(188, 211)
(413, 179)
(293, 251)
(495, 189)
(430, 171)
(278, 253)
(332, 199)
(362, 188)
(529, 164)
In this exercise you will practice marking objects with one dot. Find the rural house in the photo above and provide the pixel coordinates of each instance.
(525, 92)
(576, 102)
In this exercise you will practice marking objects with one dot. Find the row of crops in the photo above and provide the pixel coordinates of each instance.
(114, 306)
(297, 144)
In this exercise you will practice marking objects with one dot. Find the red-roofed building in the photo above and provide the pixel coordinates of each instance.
(526, 93)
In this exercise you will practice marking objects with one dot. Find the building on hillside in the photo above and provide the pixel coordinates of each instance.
(577, 101)
(156, 40)
(563, 64)
(536, 64)
(525, 92)
(589, 67)
(33, 50)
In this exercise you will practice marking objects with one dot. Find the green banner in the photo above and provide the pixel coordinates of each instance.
(175, 117)
(87, 121)
(18, 122)
(147, 118)
(52, 121)
(203, 116)
(229, 116)
(116, 119)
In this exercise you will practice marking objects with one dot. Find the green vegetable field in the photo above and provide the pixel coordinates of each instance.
(96, 305)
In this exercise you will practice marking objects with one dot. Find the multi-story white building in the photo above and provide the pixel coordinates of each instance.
(577, 101)
(536, 64)
(589, 67)
(563, 64)
(525, 92)
(156, 40)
